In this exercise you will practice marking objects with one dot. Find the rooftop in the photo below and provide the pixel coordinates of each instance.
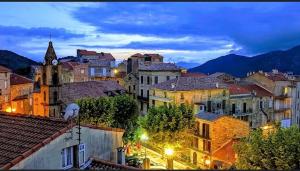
(193, 74)
(208, 116)
(258, 90)
(101, 55)
(191, 83)
(235, 89)
(16, 79)
(77, 90)
(98, 164)
(4, 69)
(159, 67)
(22, 135)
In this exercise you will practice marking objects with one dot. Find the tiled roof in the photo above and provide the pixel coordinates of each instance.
(22, 135)
(193, 74)
(70, 65)
(153, 55)
(208, 116)
(277, 76)
(77, 90)
(260, 92)
(98, 164)
(191, 83)
(101, 55)
(16, 79)
(137, 55)
(235, 89)
(4, 69)
(159, 67)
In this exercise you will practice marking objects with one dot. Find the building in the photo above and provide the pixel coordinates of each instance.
(151, 74)
(213, 138)
(21, 89)
(74, 72)
(251, 103)
(34, 142)
(47, 85)
(100, 64)
(202, 93)
(223, 76)
(5, 88)
(283, 87)
(134, 61)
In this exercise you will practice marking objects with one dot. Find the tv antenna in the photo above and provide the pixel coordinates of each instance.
(71, 112)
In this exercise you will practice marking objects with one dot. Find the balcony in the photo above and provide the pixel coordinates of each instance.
(196, 133)
(162, 99)
(282, 96)
(241, 113)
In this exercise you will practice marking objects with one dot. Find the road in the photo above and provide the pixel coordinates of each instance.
(156, 160)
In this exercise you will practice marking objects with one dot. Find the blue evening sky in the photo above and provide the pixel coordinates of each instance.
(191, 32)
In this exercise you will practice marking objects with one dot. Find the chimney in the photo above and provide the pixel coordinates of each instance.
(275, 71)
(217, 85)
(260, 71)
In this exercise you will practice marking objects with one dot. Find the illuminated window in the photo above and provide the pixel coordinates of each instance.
(82, 71)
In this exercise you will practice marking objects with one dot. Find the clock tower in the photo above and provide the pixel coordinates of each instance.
(50, 84)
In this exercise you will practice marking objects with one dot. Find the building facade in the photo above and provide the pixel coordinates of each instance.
(74, 72)
(5, 89)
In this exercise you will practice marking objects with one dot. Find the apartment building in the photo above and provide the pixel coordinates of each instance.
(5, 88)
(203, 93)
(283, 87)
(251, 103)
(213, 139)
(74, 72)
(100, 64)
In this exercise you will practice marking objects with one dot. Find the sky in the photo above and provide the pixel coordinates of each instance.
(182, 32)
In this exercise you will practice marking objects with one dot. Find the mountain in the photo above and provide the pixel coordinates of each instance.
(237, 65)
(187, 65)
(19, 64)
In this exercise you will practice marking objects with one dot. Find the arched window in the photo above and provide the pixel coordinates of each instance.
(55, 96)
(55, 79)
(44, 79)
(44, 96)
(195, 158)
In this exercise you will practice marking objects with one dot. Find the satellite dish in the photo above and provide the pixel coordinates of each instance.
(71, 111)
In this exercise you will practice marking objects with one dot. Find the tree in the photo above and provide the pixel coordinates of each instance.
(168, 125)
(118, 112)
(277, 150)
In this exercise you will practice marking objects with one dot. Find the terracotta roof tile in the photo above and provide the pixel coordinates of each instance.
(191, 83)
(259, 91)
(101, 55)
(159, 67)
(235, 89)
(18, 79)
(21, 135)
(98, 164)
(77, 90)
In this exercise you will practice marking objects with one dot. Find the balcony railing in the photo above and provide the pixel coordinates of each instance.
(241, 113)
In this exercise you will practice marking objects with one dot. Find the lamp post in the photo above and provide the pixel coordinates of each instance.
(169, 153)
(146, 161)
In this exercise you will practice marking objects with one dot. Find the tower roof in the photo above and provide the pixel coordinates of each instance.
(50, 54)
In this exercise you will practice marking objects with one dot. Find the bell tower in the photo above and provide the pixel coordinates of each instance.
(50, 83)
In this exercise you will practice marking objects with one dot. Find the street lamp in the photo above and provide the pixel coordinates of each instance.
(146, 161)
(169, 152)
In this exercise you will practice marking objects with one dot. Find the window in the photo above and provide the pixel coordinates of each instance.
(142, 93)
(55, 96)
(156, 79)
(92, 71)
(244, 107)
(147, 93)
(165, 94)
(153, 93)
(168, 78)
(206, 145)
(208, 106)
(0, 92)
(148, 80)
(142, 106)
(5, 84)
(133, 87)
(205, 130)
(82, 71)
(153, 103)
(67, 157)
(195, 142)
(81, 154)
(181, 96)
(44, 96)
(176, 77)
(142, 80)
(233, 108)
(261, 104)
(224, 104)
(129, 89)
(270, 103)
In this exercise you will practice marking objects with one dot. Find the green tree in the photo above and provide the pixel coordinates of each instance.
(277, 150)
(118, 112)
(168, 125)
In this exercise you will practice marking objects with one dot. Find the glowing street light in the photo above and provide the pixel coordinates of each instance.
(146, 161)
(169, 153)
(144, 137)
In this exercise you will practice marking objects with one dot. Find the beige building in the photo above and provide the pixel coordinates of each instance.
(5, 89)
(283, 87)
(213, 138)
(45, 143)
(203, 93)
(21, 90)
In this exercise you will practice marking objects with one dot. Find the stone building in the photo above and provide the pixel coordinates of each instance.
(251, 103)
(48, 83)
(21, 89)
(100, 64)
(213, 138)
(74, 72)
(202, 93)
(5, 89)
(34, 142)
(283, 87)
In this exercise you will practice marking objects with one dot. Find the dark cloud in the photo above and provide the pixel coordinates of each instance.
(37, 32)
(257, 27)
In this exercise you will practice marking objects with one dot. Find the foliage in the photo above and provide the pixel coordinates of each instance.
(277, 150)
(133, 161)
(168, 125)
(119, 111)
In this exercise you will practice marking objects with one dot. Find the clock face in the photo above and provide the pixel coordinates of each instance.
(54, 62)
